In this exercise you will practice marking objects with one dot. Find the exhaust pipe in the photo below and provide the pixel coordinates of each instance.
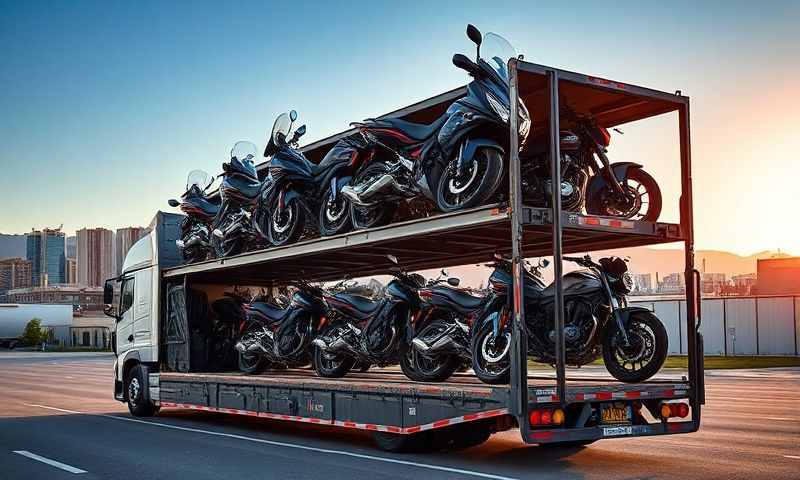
(335, 344)
(361, 195)
(422, 347)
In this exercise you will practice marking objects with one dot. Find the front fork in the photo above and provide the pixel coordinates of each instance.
(611, 178)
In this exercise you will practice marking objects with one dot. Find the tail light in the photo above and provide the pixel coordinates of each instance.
(677, 409)
(546, 417)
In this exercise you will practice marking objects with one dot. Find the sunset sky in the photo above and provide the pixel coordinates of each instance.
(107, 105)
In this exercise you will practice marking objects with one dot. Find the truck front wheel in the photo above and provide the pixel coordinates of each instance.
(137, 394)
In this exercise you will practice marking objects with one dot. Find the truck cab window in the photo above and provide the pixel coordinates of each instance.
(126, 296)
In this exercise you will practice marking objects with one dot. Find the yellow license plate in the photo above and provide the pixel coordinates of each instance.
(615, 414)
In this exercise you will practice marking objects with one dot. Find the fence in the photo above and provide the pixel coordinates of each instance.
(734, 325)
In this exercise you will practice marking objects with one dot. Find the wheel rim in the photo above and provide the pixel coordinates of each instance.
(134, 390)
(490, 351)
(282, 221)
(335, 212)
(462, 189)
(635, 205)
(641, 350)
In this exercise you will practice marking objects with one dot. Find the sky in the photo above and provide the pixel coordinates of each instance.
(107, 105)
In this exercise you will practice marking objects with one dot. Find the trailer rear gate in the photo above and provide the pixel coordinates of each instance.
(384, 402)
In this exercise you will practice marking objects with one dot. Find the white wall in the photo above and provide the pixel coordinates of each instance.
(14, 317)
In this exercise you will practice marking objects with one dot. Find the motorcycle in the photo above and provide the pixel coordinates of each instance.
(441, 330)
(598, 322)
(233, 230)
(588, 180)
(200, 210)
(280, 335)
(366, 331)
(455, 162)
(299, 191)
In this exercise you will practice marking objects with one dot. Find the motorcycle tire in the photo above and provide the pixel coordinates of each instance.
(374, 216)
(337, 224)
(437, 368)
(291, 231)
(599, 205)
(252, 364)
(485, 174)
(326, 367)
(407, 364)
(640, 326)
(479, 343)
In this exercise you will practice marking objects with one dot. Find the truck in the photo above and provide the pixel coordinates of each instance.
(161, 350)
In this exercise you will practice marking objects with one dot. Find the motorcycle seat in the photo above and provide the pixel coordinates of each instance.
(271, 312)
(364, 305)
(461, 300)
(416, 131)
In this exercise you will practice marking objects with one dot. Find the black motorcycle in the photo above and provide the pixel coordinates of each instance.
(298, 191)
(456, 161)
(233, 230)
(441, 331)
(200, 210)
(588, 180)
(366, 331)
(280, 335)
(598, 322)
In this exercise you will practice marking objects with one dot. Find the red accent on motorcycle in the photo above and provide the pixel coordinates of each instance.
(280, 200)
(606, 136)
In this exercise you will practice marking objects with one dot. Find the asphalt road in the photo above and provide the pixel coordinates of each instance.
(59, 408)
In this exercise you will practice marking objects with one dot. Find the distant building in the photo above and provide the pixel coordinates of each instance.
(72, 246)
(743, 284)
(14, 273)
(713, 283)
(95, 256)
(125, 238)
(642, 283)
(46, 252)
(778, 276)
(72, 271)
(79, 297)
(672, 283)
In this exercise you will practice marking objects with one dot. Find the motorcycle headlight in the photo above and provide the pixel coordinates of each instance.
(625, 283)
(498, 106)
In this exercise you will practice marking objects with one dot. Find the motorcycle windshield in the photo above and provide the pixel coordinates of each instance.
(197, 178)
(280, 130)
(242, 155)
(495, 53)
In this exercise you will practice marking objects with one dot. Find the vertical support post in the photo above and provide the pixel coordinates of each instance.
(695, 357)
(555, 179)
(519, 336)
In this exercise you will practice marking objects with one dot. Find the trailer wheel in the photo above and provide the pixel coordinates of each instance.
(397, 443)
(137, 394)
(461, 436)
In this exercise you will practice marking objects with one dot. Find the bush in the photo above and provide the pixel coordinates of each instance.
(34, 333)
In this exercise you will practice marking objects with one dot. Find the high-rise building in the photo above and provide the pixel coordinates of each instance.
(72, 271)
(95, 256)
(46, 252)
(72, 246)
(126, 237)
(14, 273)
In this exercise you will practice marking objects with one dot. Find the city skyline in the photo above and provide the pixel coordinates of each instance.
(149, 127)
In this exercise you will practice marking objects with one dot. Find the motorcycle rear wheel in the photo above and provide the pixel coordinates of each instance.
(252, 364)
(474, 187)
(376, 215)
(435, 368)
(331, 365)
(648, 348)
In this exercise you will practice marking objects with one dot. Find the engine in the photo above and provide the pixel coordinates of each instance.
(537, 186)
(581, 326)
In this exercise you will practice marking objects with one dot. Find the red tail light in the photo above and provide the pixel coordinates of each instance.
(546, 417)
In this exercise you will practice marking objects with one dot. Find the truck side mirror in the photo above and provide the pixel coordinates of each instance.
(108, 291)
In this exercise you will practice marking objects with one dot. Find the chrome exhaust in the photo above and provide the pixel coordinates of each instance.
(361, 195)
(337, 343)
(422, 347)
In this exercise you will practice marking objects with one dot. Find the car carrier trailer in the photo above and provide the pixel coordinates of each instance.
(159, 354)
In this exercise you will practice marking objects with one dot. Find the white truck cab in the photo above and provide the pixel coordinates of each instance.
(135, 339)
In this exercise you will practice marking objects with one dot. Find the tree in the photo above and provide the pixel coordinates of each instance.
(34, 334)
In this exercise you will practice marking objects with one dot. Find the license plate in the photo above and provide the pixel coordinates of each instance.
(615, 414)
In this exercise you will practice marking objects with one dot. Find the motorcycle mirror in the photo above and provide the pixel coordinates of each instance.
(444, 273)
(293, 115)
(173, 203)
(300, 131)
(498, 256)
(464, 63)
(393, 259)
(544, 262)
(474, 34)
(453, 281)
(619, 131)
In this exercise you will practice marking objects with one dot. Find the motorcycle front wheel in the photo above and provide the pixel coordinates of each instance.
(645, 353)
(474, 185)
(490, 356)
(334, 216)
(286, 225)
(643, 200)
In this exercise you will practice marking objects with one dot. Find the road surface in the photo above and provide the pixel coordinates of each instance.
(58, 420)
